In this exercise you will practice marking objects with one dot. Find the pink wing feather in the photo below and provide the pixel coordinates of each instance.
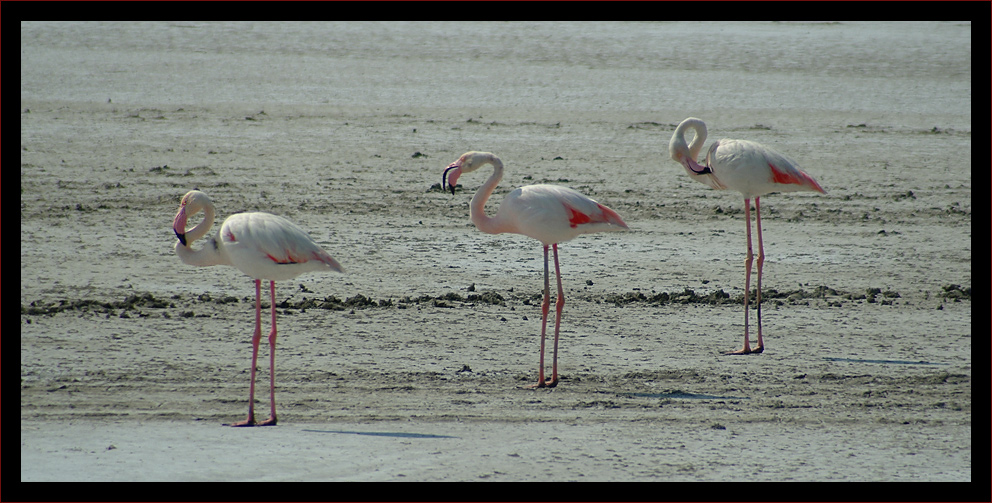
(794, 175)
(267, 246)
(554, 214)
(754, 170)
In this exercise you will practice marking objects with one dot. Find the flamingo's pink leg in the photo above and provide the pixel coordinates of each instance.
(271, 421)
(748, 260)
(255, 339)
(761, 260)
(559, 305)
(545, 305)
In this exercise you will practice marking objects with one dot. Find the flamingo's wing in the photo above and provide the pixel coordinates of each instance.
(271, 247)
(583, 210)
(554, 214)
(755, 169)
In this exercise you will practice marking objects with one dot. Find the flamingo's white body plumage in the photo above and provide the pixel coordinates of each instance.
(751, 169)
(548, 213)
(261, 245)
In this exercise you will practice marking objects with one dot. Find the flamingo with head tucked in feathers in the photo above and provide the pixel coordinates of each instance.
(751, 169)
(548, 213)
(261, 245)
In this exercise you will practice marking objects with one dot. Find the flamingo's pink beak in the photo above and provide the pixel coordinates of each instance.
(179, 225)
(453, 179)
(695, 167)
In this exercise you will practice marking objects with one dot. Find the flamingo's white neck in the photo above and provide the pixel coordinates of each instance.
(477, 210)
(687, 155)
(677, 146)
(211, 254)
(470, 162)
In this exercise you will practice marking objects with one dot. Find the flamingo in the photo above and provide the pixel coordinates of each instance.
(751, 169)
(548, 213)
(261, 245)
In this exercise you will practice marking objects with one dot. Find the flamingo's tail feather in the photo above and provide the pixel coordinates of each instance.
(795, 176)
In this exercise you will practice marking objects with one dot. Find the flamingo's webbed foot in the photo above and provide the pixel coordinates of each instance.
(547, 383)
(746, 351)
(247, 422)
(271, 421)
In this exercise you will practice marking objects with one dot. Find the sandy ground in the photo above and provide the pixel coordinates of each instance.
(411, 365)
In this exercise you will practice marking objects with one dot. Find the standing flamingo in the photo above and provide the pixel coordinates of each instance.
(547, 213)
(261, 245)
(751, 169)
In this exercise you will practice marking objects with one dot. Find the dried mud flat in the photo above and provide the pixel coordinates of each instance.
(411, 365)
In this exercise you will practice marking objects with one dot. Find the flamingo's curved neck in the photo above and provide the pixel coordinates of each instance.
(678, 139)
(210, 254)
(696, 145)
(687, 155)
(477, 210)
(203, 227)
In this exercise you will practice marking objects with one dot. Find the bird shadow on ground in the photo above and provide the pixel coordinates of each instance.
(399, 434)
(894, 362)
(682, 395)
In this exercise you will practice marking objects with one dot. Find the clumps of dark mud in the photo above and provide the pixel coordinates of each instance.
(451, 298)
(333, 303)
(132, 302)
(139, 304)
(717, 297)
(800, 296)
(136, 303)
(686, 296)
(956, 292)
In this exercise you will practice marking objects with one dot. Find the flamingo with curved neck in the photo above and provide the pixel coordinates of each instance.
(261, 245)
(751, 169)
(550, 214)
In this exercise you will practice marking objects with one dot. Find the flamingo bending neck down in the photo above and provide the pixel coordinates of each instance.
(751, 169)
(548, 213)
(261, 245)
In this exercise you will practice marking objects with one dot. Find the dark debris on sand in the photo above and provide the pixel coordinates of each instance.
(142, 304)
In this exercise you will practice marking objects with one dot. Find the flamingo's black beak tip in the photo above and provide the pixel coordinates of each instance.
(182, 238)
(444, 178)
